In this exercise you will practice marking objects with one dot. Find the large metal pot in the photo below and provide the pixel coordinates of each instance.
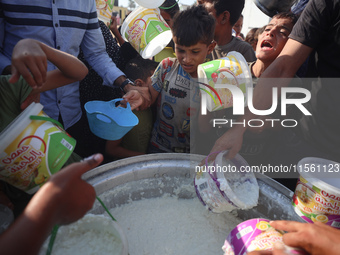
(155, 174)
(272, 7)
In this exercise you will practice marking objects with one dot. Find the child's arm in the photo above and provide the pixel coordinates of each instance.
(154, 94)
(114, 148)
(113, 27)
(29, 59)
(65, 198)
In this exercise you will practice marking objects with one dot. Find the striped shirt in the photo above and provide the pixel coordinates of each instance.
(64, 25)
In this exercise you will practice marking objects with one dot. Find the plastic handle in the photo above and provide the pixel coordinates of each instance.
(161, 7)
(100, 113)
(108, 212)
(44, 118)
(114, 101)
(52, 238)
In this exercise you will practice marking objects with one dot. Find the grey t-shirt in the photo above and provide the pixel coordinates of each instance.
(235, 44)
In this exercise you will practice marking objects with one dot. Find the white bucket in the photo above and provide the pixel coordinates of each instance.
(317, 193)
(225, 185)
(147, 31)
(32, 150)
(150, 3)
(232, 70)
(93, 234)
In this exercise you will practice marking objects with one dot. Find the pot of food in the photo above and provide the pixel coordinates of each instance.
(272, 7)
(154, 200)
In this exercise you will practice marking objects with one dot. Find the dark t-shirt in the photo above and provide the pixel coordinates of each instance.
(319, 28)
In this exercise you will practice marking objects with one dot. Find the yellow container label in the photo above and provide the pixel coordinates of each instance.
(39, 151)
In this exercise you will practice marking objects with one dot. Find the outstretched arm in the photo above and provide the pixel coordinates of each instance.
(65, 198)
(114, 29)
(29, 59)
(285, 66)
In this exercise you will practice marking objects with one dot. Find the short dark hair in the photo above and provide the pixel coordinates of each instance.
(193, 25)
(140, 68)
(286, 15)
(171, 7)
(234, 7)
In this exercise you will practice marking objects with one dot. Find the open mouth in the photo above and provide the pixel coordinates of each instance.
(266, 44)
(187, 66)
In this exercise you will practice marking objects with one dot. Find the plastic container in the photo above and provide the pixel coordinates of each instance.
(93, 234)
(254, 235)
(317, 193)
(225, 185)
(150, 3)
(147, 31)
(108, 121)
(33, 150)
(232, 70)
(104, 9)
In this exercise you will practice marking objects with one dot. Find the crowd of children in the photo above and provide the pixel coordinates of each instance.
(167, 94)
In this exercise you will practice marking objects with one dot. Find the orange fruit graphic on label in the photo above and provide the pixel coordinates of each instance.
(262, 225)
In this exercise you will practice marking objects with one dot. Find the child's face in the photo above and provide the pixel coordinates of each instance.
(238, 26)
(166, 16)
(273, 39)
(190, 57)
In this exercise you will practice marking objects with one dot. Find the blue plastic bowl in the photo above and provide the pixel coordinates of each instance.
(108, 121)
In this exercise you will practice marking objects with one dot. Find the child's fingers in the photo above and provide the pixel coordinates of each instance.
(23, 70)
(15, 76)
(36, 73)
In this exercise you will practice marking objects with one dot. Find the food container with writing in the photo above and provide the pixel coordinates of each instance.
(104, 9)
(32, 150)
(254, 235)
(231, 70)
(317, 193)
(147, 31)
(224, 185)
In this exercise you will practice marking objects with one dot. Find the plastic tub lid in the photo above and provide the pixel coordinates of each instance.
(317, 171)
(18, 125)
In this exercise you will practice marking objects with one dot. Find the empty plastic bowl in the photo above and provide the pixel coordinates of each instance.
(108, 121)
(225, 185)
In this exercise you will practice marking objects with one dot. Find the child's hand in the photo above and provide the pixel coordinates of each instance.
(144, 92)
(134, 98)
(113, 24)
(30, 61)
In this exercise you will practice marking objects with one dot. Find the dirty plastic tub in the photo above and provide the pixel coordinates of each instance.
(93, 234)
(223, 186)
(317, 193)
(254, 235)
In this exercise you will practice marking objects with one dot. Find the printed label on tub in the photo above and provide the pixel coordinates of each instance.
(227, 70)
(39, 151)
(104, 9)
(143, 28)
(253, 235)
(313, 204)
(210, 194)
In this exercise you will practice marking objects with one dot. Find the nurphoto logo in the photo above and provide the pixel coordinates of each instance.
(239, 101)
